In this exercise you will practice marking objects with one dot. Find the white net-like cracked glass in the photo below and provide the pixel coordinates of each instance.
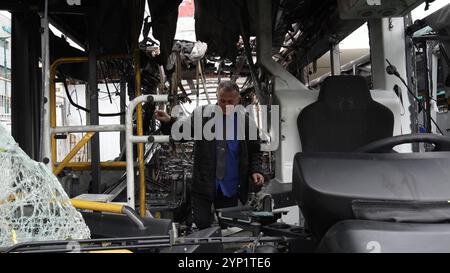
(33, 204)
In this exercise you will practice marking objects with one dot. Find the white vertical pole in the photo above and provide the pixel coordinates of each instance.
(387, 41)
(46, 152)
(335, 59)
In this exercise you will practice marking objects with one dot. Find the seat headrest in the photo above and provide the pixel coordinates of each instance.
(345, 92)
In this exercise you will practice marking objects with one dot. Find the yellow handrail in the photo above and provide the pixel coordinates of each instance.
(137, 68)
(73, 152)
(106, 165)
(53, 68)
(96, 206)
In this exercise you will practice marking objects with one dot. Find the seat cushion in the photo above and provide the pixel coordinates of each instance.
(331, 187)
(356, 236)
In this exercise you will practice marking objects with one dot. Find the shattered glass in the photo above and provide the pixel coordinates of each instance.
(33, 204)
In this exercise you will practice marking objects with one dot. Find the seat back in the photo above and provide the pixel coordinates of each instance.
(344, 117)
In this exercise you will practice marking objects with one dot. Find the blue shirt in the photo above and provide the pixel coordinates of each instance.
(230, 183)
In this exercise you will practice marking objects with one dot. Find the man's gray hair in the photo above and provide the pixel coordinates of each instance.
(228, 86)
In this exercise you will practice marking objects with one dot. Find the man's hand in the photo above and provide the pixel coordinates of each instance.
(258, 179)
(162, 116)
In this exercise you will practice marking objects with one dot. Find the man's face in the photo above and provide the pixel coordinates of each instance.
(227, 98)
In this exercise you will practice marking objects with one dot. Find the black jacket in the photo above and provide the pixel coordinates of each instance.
(204, 172)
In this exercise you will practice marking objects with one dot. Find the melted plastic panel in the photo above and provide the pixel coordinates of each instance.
(33, 205)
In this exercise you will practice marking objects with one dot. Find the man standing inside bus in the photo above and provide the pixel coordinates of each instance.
(222, 168)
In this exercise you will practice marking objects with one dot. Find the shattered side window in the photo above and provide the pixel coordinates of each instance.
(33, 205)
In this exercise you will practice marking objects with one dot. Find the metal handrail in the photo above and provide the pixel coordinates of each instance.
(130, 139)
